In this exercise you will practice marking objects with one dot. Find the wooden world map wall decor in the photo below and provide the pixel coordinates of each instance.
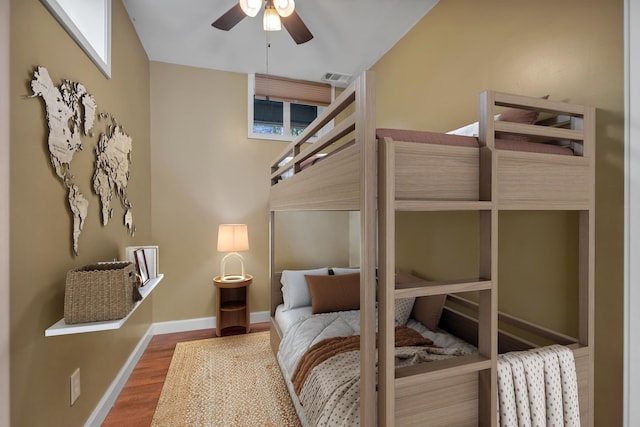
(71, 113)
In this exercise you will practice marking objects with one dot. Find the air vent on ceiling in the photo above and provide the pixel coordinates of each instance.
(337, 79)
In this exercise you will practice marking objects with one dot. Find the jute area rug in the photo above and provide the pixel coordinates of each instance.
(228, 381)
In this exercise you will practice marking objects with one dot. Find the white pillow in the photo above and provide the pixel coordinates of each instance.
(343, 270)
(294, 287)
(470, 130)
(403, 310)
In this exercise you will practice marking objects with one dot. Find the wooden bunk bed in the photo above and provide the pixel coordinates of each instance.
(378, 174)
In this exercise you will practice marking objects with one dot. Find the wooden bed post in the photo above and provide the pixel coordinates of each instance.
(365, 134)
(488, 269)
(586, 261)
(272, 263)
(274, 336)
(386, 283)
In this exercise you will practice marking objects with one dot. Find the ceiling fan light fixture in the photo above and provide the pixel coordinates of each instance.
(284, 7)
(271, 20)
(251, 7)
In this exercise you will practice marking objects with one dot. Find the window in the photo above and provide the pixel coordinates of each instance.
(89, 24)
(301, 116)
(268, 117)
(281, 109)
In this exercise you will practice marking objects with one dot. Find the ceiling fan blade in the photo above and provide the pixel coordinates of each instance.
(230, 18)
(298, 30)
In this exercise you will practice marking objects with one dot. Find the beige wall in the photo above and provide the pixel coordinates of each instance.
(205, 171)
(40, 241)
(571, 50)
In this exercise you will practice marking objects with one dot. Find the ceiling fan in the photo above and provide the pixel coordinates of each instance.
(275, 13)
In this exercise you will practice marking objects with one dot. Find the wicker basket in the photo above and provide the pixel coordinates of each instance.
(98, 292)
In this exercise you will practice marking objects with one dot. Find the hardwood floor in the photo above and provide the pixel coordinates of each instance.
(137, 401)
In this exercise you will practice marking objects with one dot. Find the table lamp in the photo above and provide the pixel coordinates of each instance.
(232, 238)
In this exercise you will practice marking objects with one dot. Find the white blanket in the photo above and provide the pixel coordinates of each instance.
(538, 388)
(306, 332)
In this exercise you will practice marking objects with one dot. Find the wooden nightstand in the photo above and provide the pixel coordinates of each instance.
(232, 303)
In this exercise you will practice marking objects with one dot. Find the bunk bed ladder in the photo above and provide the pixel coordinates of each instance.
(399, 399)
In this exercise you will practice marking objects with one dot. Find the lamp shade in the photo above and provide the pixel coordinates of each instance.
(233, 238)
(284, 7)
(271, 19)
(250, 7)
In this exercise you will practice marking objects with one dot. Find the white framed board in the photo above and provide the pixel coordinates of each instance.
(151, 255)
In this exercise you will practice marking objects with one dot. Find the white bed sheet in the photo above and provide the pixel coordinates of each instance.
(441, 338)
(286, 318)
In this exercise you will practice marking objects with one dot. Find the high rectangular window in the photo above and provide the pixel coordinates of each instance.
(268, 117)
(281, 108)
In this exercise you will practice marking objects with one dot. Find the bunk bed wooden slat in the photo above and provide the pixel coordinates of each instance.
(466, 328)
(435, 172)
(443, 287)
(411, 375)
(332, 184)
(451, 401)
(526, 180)
(514, 321)
(540, 131)
(539, 104)
(342, 129)
(441, 205)
(344, 99)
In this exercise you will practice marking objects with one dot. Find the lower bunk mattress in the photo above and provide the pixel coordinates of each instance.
(319, 358)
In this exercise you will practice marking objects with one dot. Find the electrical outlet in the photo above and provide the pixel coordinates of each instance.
(75, 385)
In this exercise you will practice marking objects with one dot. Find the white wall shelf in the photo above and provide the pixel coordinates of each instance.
(61, 328)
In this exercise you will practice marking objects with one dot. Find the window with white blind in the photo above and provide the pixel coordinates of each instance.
(281, 108)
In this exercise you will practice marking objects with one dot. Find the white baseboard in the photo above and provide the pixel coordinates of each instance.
(200, 323)
(184, 325)
(101, 411)
(260, 317)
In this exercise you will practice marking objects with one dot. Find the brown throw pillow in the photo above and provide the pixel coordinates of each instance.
(426, 310)
(334, 293)
(518, 115)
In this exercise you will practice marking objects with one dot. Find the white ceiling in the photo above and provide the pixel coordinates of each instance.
(349, 35)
